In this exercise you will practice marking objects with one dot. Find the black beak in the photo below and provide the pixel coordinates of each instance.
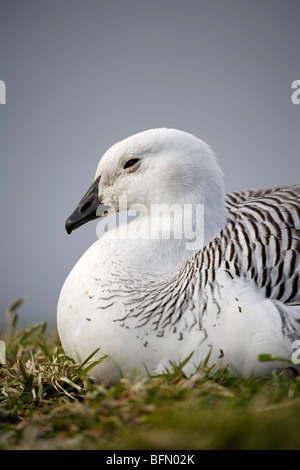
(86, 209)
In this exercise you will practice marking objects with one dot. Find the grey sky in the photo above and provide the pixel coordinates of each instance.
(83, 74)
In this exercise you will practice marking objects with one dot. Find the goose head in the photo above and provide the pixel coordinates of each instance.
(155, 167)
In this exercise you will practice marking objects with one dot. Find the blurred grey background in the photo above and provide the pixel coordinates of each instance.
(83, 74)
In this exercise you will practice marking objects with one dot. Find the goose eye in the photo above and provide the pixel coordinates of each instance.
(130, 162)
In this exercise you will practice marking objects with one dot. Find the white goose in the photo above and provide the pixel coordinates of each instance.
(233, 291)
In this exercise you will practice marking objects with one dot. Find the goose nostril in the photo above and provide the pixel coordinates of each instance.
(86, 206)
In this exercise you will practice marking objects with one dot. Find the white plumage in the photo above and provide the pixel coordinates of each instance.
(145, 301)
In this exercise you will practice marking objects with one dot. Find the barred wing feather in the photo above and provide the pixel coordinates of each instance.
(262, 240)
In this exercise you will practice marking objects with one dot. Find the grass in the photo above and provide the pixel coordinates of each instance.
(48, 402)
